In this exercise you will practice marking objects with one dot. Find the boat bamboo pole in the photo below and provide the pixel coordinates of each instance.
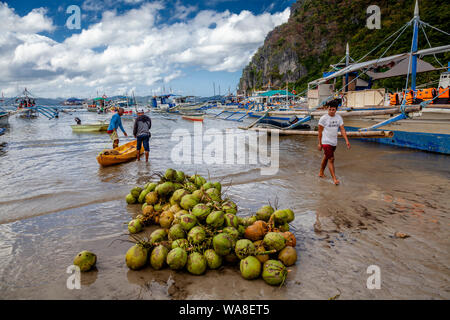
(350, 134)
(351, 113)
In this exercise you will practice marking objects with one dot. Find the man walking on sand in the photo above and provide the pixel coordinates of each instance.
(141, 132)
(328, 134)
(116, 123)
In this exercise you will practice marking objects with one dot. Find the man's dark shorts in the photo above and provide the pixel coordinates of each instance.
(328, 150)
(143, 139)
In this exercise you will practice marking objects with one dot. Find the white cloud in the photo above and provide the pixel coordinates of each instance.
(129, 50)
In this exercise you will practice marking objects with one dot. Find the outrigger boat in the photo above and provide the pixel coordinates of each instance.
(417, 118)
(193, 117)
(90, 127)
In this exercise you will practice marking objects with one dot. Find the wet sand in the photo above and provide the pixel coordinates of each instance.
(55, 201)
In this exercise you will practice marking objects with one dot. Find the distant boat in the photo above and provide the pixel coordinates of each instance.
(193, 117)
(4, 117)
(2, 131)
(90, 127)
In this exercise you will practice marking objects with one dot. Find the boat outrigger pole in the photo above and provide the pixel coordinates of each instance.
(414, 46)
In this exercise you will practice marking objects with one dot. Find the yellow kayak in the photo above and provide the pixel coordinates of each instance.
(118, 155)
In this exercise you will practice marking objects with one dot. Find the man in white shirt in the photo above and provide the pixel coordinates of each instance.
(328, 134)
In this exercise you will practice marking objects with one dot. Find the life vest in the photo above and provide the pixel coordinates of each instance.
(393, 99)
(409, 97)
(444, 92)
(426, 94)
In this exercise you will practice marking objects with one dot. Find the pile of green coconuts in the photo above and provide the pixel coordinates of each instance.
(199, 230)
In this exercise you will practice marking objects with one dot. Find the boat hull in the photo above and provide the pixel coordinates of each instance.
(127, 152)
(4, 118)
(90, 128)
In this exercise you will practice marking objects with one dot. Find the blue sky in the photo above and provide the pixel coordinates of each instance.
(132, 45)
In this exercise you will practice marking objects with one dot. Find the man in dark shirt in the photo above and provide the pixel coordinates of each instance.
(141, 132)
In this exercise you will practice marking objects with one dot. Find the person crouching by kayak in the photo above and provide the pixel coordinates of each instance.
(329, 124)
(116, 123)
(141, 132)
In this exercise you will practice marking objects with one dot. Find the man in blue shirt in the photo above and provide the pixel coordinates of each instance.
(116, 123)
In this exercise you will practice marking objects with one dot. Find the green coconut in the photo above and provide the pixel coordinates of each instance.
(264, 213)
(244, 248)
(130, 199)
(176, 232)
(179, 176)
(198, 194)
(150, 186)
(176, 259)
(136, 257)
(151, 198)
(232, 232)
(288, 256)
(178, 194)
(178, 215)
(180, 243)
(158, 207)
(274, 272)
(136, 191)
(218, 186)
(284, 227)
(231, 220)
(199, 181)
(201, 211)
(170, 175)
(188, 202)
(166, 219)
(215, 219)
(85, 260)
(241, 230)
(250, 268)
(177, 186)
(290, 214)
(196, 235)
(229, 207)
(274, 241)
(214, 194)
(191, 187)
(158, 235)
(144, 205)
(196, 263)
(175, 208)
(141, 198)
(213, 260)
(165, 188)
(280, 216)
(188, 221)
(223, 244)
(158, 257)
(207, 186)
(135, 226)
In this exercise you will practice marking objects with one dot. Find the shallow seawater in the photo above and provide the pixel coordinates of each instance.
(55, 200)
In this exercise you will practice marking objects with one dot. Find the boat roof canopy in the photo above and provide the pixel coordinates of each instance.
(275, 93)
(398, 65)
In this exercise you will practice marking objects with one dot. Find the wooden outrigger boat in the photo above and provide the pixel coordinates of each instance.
(193, 117)
(124, 153)
(418, 118)
(90, 127)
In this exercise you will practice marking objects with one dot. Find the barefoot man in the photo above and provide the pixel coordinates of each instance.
(328, 134)
(115, 124)
(141, 132)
